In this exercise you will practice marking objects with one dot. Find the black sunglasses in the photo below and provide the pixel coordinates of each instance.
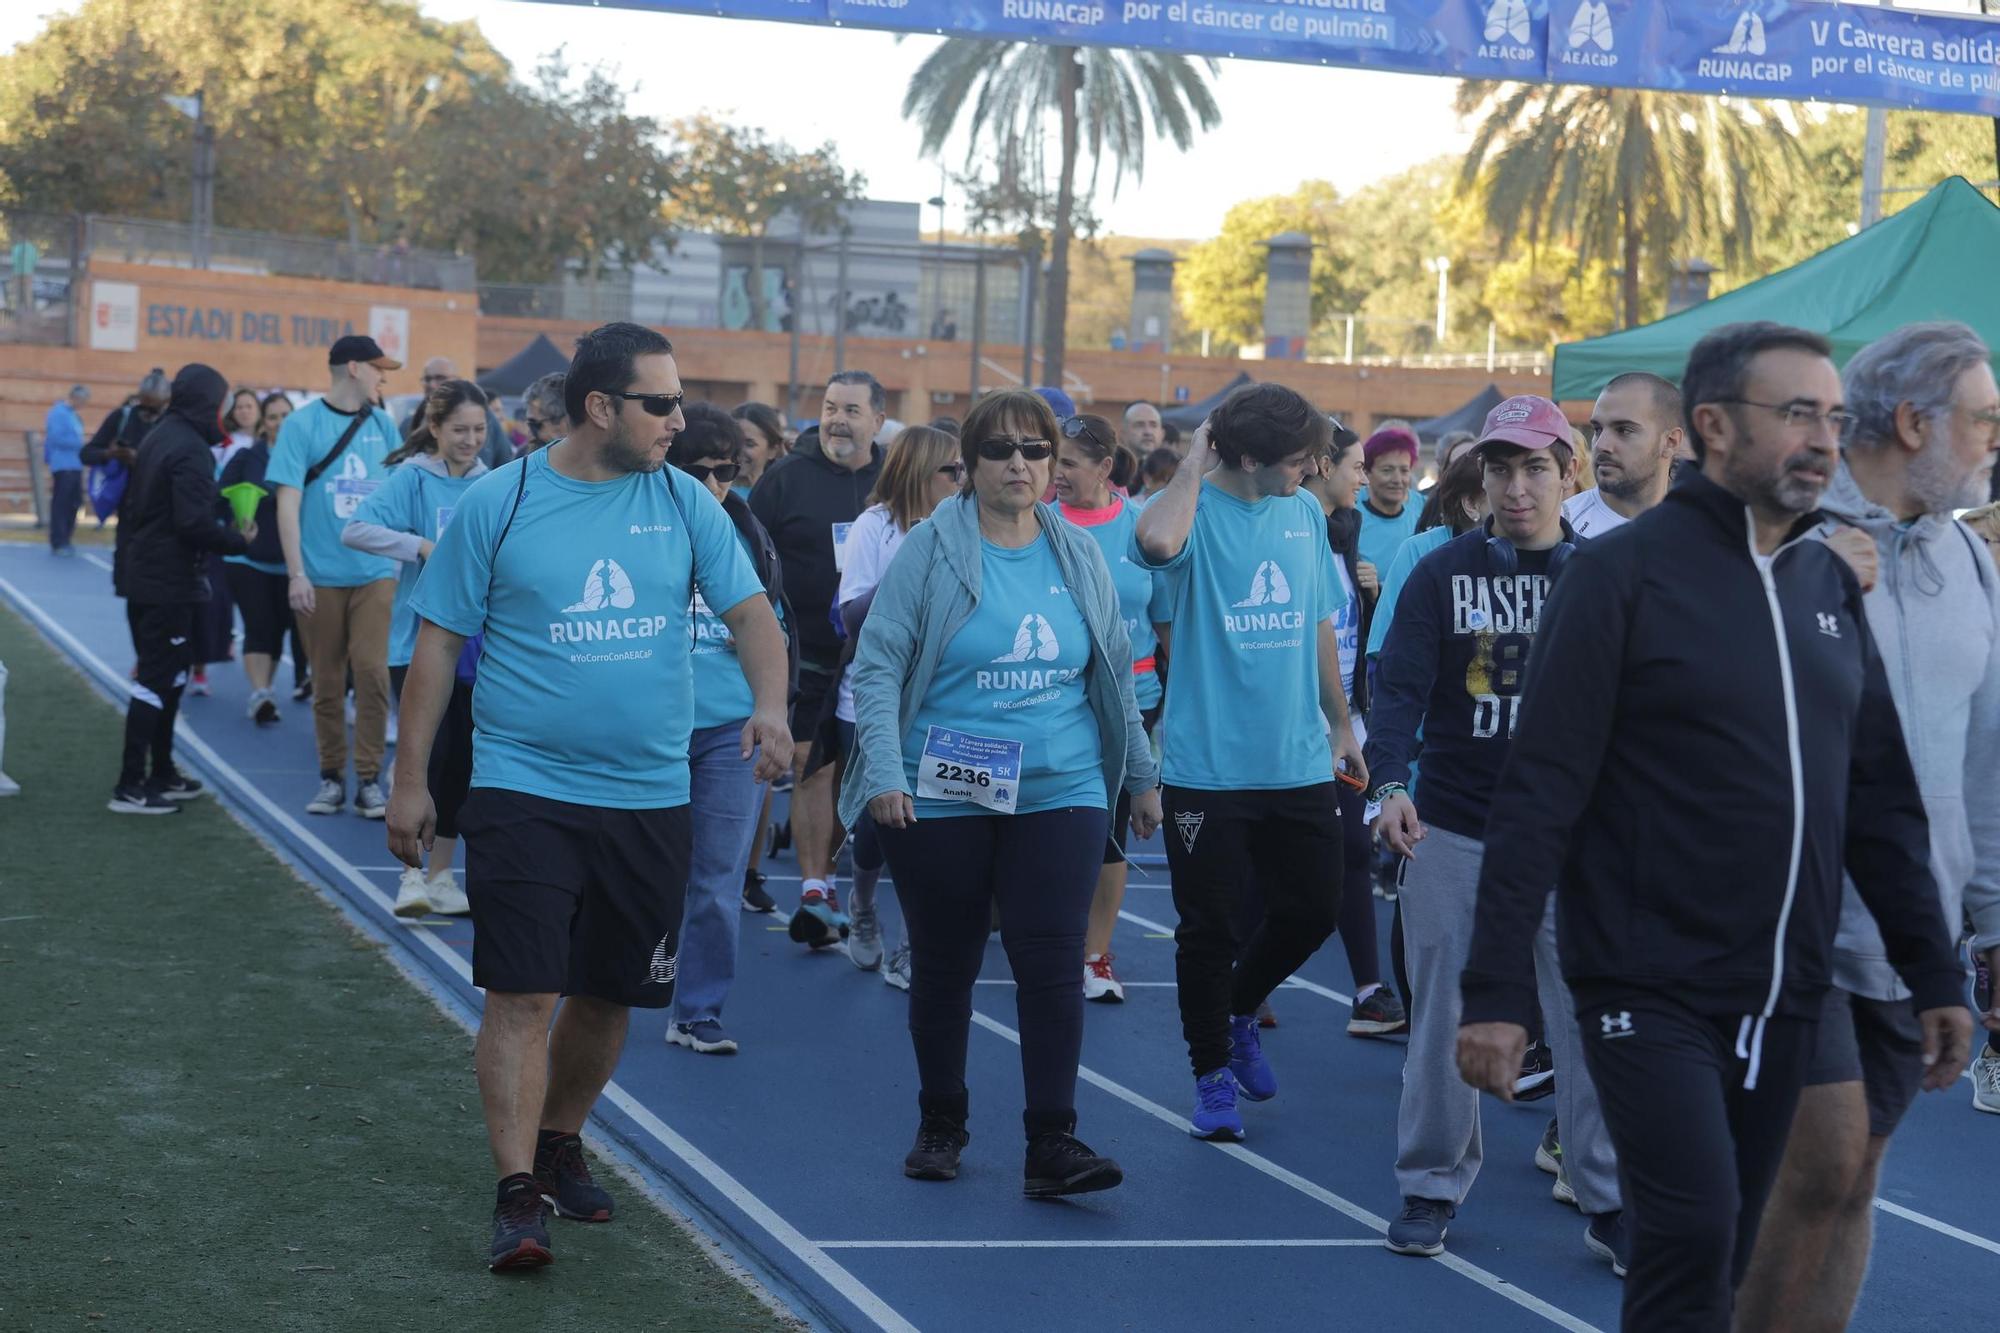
(1000, 448)
(956, 471)
(1076, 428)
(656, 404)
(722, 472)
(534, 424)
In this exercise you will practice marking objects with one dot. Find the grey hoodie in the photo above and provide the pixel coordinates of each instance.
(1935, 614)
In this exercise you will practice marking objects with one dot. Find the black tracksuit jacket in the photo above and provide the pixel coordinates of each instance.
(170, 518)
(798, 500)
(1703, 744)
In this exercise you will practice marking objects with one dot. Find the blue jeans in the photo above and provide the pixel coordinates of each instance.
(725, 796)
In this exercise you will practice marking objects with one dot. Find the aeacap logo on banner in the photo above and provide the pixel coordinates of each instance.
(1509, 32)
(114, 316)
(1589, 38)
(389, 325)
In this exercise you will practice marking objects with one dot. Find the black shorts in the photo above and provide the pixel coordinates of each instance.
(1879, 1044)
(1121, 810)
(262, 600)
(573, 899)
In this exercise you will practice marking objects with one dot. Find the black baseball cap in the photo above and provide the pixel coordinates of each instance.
(360, 347)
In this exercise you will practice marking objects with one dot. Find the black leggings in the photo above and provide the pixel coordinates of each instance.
(1041, 870)
(450, 772)
(1357, 908)
(262, 599)
(1218, 845)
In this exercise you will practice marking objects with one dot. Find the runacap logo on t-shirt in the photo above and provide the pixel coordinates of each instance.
(1268, 587)
(1034, 641)
(607, 587)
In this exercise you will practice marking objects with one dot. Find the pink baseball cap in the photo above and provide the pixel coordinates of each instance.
(1526, 421)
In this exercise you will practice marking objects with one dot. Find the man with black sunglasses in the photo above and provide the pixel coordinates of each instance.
(808, 500)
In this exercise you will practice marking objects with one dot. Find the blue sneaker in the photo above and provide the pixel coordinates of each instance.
(1419, 1229)
(1246, 1059)
(1215, 1114)
(819, 922)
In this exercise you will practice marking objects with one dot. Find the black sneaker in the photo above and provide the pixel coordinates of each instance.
(940, 1139)
(520, 1235)
(1058, 1164)
(1538, 1074)
(755, 899)
(1608, 1239)
(1380, 1015)
(139, 801)
(564, 1178)
(302, 691)
(176, 787)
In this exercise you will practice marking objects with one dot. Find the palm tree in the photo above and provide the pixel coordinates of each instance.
(1638, 175)
(1100, 100)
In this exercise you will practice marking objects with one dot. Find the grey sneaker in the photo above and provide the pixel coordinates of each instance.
(896, 971)
(332, 796)
(370, 801)
(864, 938)
(704, 1036)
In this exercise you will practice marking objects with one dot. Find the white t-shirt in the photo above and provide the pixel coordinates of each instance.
(871, 544)
(1591, 516)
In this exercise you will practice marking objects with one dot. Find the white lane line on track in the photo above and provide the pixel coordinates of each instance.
(1295, 982)
(1942, 1228)
(794, 1241)
(1365, 1243)
(1319, 1193)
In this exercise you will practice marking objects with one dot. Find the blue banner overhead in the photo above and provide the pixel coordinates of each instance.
(1792, 49)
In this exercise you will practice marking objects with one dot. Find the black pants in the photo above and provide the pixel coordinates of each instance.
(1357, 909)
(266, 608)
(1041, 870)
(1699, 1109)
(1290, 842)
(163, 636)
(450, 773)
(65, 494)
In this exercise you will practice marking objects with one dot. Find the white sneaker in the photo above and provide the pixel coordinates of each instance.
(370, 801)
(1986, 1082)
(9, 787)
(412, 895)
(447, 899)
(1100, 983)
(896, 969)
(263, 709)
(1561, 1191)
(332, 796)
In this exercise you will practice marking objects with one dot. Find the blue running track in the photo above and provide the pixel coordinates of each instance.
(789, 1154)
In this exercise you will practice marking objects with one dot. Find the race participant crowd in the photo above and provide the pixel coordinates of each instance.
(1658, 736)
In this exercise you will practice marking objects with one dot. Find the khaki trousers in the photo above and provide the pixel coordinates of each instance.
(348, 631)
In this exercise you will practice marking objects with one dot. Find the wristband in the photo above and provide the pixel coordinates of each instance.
(1388, 789)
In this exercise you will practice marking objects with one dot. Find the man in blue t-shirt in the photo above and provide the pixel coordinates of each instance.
(62, 449)
(578, 564)
(326, 460)
(1247, 771)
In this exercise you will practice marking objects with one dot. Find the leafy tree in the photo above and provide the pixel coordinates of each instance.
(737, 181)
(1547, 297)
(1633, 175)
(1221, 281)
(1006, 94)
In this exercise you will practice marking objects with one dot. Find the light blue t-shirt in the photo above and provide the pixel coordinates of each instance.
(416, 501)
(1382, 537)
(721, 690)
(1014, 673)
(1142, 594)
(307, 436)
(1248, 593)
(1394, 576)
(585, 685)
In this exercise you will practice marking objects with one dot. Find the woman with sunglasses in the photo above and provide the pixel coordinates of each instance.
(724, 793)
(994, 726)
(1087, 458)
(921, 468)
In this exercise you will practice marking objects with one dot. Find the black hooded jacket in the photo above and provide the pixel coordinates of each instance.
(1707, 739)
(799, 500)
(168, 523)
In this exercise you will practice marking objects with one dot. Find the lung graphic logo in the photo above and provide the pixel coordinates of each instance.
(606, 586)
(1747, 39)
(1268, 587)
(1508, 19)
(664, 964)
(1189, 823)
(1034, 641)
(1591, 26)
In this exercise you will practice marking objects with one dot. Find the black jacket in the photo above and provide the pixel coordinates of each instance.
(170, 502)
(1702, 745)
(1343, 533)
(798, 500)
(771, 573)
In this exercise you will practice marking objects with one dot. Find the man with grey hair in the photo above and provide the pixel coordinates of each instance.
(546, 417)
(1927, 424)
(440, 371)
(62, 450)
(1141, 431)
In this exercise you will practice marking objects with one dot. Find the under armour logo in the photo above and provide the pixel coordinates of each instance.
(607, 585)
(664, 965)
(1034, 639)
(1616, 1025)
(1268, 587)
(1829, 624)
(1189, 823)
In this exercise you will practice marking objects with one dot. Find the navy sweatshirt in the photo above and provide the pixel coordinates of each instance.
(1453, 664)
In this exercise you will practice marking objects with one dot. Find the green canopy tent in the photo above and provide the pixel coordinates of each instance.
(1937, 259)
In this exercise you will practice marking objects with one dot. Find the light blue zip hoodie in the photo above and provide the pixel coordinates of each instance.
(927, 595)
(1935, 614)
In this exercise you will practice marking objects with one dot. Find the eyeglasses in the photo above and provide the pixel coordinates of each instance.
(1990, 419)
(1001, 448)
(722, 472)
(534, 424)
(656, 404)
(1076, 428)
(436, 379)
(1801, 417)
(956, 471)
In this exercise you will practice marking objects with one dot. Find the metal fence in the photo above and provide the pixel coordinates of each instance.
(175, 244)
(41, 264)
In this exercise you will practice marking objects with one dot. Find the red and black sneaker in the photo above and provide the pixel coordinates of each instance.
(563, 1176)
(520, 1236)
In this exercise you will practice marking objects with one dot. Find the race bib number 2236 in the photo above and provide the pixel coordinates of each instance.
(957, 766)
